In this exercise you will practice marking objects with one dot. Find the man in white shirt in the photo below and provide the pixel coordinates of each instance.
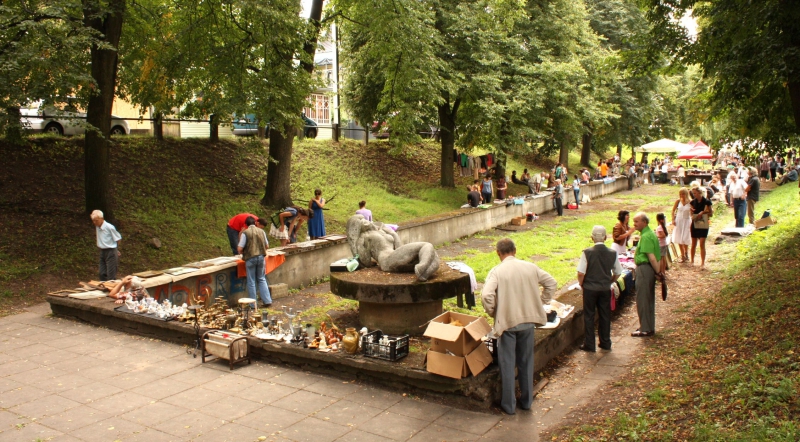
(738, 190)
(108, 242)
(681, 174)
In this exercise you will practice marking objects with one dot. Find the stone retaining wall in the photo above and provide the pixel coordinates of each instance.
(305, 268)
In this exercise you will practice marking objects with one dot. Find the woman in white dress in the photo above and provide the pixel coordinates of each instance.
(682, 220)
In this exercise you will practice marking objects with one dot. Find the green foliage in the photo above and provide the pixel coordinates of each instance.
(44, 53)
(750, 53)
(218, 56)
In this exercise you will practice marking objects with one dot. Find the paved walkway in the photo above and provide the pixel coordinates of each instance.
(68, 381)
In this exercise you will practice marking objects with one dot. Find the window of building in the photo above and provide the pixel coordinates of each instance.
(319, 110)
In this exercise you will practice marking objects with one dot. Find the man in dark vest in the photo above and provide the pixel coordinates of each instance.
(598, 268)
(253, 247)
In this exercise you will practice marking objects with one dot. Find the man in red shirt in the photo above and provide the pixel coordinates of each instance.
(236, 225)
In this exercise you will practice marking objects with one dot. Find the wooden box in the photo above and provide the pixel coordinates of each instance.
(229, 346)
(518, 221)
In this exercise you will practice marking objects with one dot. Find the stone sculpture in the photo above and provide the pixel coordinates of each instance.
(372, 240)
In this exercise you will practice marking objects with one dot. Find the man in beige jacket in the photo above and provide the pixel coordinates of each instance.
(511, 296)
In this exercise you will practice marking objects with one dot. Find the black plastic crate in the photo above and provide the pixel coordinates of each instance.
(491, 343)
(395, 350)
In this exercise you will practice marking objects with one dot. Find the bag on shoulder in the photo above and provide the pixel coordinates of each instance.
(701, 223)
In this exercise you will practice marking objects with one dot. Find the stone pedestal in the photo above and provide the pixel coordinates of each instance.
(397, 302)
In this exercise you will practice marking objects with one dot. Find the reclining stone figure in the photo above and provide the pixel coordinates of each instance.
(373, 240)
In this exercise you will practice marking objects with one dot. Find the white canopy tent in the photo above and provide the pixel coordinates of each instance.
(663, 145)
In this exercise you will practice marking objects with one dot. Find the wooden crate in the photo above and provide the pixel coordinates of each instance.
(518, 221)
(229, 346)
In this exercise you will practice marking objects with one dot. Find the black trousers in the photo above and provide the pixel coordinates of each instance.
(599, 301)
(559, 206)
(109, 261)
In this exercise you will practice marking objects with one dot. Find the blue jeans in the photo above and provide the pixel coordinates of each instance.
(255, 274)
(739, 210)
(577, 193)
(233, 239)
(652, 178)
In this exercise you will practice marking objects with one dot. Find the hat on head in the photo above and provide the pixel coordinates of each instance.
(599, 233)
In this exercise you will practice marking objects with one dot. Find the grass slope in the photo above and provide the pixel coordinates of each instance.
(183, 192)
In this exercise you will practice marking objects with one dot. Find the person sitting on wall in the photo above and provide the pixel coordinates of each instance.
(525, 176)
(473, 197)
(791, 176)
(130, 286)
(363, 211)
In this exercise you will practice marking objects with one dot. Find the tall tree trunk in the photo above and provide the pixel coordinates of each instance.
(158, 126)
(563, 156)
(213, 123)
(586, 149)
(278, 191)
(499, 164)
(14, 133)
(108, 23)
(794, 96)
(447, 124)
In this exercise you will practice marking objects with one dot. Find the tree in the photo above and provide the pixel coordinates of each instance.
(633, 80)
(410, 61)
(105, 18)
(751, 53)
(43, 55)
(572, 69)
(220, 57)
(281, 134)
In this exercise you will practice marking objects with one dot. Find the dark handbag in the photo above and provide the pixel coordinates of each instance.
(551, 317)
(661, 277)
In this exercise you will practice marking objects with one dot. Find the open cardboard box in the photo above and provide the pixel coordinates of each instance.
(764, 222)
(467, 354)
(458, 367)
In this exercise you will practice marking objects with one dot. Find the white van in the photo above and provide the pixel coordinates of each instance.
(37, 118)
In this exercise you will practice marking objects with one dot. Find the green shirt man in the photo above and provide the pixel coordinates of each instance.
(648, 243)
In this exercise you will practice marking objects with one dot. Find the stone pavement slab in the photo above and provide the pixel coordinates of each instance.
(271, 419)
(312, 429)
(74, 418)
(362, 436)
(394, 426)
(419, 409)
(347, 413)
(304, 402)
(469, 421)
(439, 433)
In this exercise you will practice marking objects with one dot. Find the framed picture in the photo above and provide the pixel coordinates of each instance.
(673, 252)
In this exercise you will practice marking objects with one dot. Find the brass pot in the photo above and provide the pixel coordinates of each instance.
(350, 341)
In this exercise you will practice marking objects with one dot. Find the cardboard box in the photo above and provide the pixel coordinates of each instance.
(764, 222)
(455, 351)
(518, 221)
(458, 340)
(457, 367)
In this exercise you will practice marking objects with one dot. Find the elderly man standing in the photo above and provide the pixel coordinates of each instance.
(511, 296)
(108, 242)
(253, 246)
(647, 257)
(597, 270)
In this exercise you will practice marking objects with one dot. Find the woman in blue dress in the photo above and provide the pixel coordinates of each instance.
(316, 225)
